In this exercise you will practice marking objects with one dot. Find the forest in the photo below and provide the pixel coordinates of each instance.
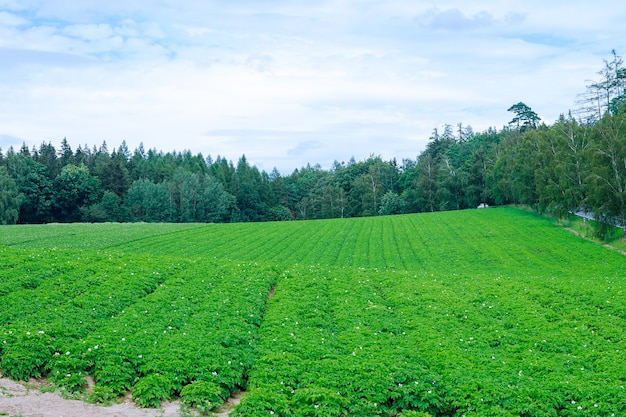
(578, 163)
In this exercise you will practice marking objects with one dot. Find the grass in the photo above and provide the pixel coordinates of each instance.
(586, 229)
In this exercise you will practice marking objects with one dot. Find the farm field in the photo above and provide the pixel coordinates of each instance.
(470, 313)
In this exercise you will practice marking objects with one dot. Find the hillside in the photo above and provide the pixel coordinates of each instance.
(481, 312)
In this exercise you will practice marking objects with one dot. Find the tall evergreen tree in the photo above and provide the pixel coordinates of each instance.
(66, 156)
(525, 118)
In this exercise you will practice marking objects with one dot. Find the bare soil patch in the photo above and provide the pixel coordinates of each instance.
(229, 405)
(26, 400)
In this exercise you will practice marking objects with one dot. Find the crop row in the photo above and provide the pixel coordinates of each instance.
(69, 303)
(86, 236)
(159, 328)
(501, 240)
(339, 342)
(492, 312)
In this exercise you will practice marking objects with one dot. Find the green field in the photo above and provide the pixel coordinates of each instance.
(469, 313)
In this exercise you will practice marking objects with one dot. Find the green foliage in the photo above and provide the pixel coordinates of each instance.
(319, 402)
(9, 198)
(69, 373)
(151, 390)
(35, 185)
(74, 188)
(102, 395)
(479, 312)
(264, 401)
(109, 209)
(413, 413)
(280, 213)
(25, 355)
(525, 118)
(202, 395)
(391, 203)
(150, 202)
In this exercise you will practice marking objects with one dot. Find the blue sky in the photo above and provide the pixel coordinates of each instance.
(290, 82)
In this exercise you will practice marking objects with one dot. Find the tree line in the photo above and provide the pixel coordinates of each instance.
(577, 163)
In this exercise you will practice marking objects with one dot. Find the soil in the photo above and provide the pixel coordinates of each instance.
(231, 403)
(27, 400)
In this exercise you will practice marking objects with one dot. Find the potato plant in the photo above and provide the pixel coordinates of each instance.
(471, 313)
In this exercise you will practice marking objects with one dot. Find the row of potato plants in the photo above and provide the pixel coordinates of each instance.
(193, 337)
(77, 292)
(87, 235)
(368, 342)
(493, 312)
(502, 240)
(155, 325)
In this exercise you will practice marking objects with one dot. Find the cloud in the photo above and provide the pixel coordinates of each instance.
(6, 141)
(286, 83)
(91, 32)
(548, 39)
(12, 20)
(455, 20)
(14, 58)
(261, 63)
(303, 148)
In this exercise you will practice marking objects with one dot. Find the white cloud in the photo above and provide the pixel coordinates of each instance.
(11, 20)
(288, 84)
(455, 20)
(91, 32)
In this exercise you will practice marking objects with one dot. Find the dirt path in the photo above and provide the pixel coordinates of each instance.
(19, 400)
(25, 400)
(231, 403)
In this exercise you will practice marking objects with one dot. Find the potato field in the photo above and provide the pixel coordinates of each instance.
(493, 312)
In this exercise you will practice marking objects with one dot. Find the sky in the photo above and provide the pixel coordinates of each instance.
(291, 83)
